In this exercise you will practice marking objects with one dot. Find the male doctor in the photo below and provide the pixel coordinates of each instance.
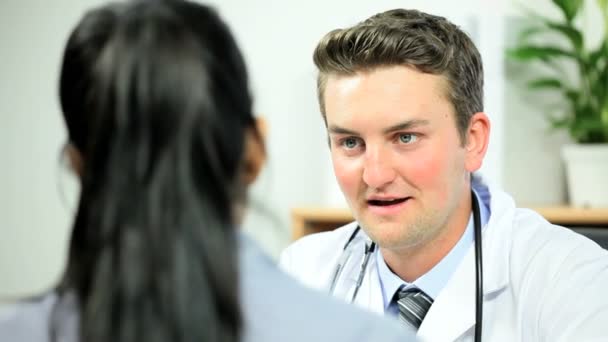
(402, 98)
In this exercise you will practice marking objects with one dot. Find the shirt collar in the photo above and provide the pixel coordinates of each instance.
(436, 278)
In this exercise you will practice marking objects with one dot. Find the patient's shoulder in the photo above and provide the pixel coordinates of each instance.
(36, 319)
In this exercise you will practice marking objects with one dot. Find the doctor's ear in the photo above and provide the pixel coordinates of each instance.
(255, 151)
(478, 138)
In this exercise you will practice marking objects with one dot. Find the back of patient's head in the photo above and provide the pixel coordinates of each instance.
(156, 101)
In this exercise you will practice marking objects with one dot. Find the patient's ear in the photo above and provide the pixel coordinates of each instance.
(255, 151)
(75, 159)
(262, 126)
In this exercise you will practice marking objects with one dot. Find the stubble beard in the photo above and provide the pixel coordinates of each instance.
(407, 236)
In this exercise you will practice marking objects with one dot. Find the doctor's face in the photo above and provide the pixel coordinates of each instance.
(396, 152)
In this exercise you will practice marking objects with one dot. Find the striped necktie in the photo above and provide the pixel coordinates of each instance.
(413, 305)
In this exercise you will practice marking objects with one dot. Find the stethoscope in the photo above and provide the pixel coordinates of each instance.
(370, 248)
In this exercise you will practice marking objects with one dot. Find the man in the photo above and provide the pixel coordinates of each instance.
(402, 98)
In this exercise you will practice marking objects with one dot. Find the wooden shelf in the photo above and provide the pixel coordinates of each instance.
(308, 220)
(574, 216)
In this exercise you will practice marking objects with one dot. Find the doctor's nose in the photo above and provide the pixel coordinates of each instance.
(377, 171)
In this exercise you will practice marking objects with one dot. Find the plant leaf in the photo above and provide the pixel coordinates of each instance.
(575, 36)
(559, 123)
(572, 95)
(603, 4)
(588, 130)
(598, 83)
(547, 82)
(529, 32)
(605, 120)
(601, 51)
(530, 52)
(569, 8)
(604, 116)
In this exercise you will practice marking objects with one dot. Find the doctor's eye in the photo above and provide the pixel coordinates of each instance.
(407, 138)
(350, 143)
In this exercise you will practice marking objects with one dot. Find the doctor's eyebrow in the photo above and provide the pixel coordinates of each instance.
(409, 124)
(333, 129)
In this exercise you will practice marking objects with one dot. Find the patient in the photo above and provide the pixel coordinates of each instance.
(161, 133)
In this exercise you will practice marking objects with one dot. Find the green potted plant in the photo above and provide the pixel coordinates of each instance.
(584, 111)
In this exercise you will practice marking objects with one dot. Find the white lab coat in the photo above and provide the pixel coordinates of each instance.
(541, 282)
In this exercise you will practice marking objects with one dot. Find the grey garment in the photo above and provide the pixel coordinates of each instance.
(41, 319)
(28, 320)
(275, 308)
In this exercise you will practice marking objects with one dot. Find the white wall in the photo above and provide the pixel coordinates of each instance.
(33, 220)
(277, 38)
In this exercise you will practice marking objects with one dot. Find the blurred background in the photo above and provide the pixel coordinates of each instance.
(38, 193)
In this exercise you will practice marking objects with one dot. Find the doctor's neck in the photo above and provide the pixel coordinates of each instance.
(411, 262)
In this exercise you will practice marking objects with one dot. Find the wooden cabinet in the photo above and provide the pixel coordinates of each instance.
(308, 220)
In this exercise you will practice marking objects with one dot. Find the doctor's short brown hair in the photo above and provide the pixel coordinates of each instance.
(425, 42)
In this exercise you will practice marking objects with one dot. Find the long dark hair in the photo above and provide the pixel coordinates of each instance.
(155, 97)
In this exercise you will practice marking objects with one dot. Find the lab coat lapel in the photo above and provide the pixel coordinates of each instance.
(453, 312)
